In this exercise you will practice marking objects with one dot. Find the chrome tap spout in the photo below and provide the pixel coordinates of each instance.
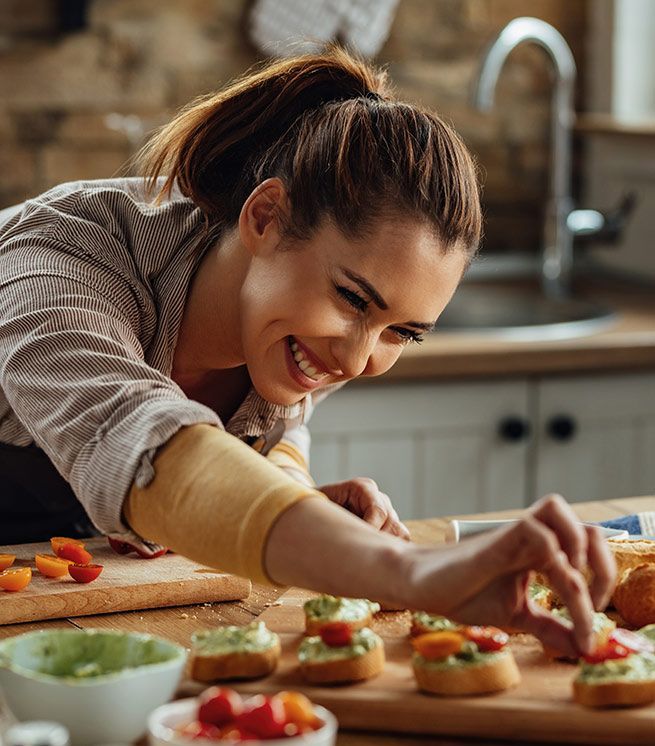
(558, 239)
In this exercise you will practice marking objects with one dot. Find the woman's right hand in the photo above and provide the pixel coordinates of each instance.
(484, 580)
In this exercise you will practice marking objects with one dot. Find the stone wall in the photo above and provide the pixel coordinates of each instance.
(81, 82)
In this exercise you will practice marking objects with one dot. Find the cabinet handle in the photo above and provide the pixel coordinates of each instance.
(562, 427)
(514, 429)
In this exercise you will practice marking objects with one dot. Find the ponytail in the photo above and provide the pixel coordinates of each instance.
(329, 127)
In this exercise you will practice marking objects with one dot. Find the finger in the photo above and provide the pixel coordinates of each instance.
(571, 587)
(393, 525)
(557, 514)
(375, 515)
(553, 632)
(603, 565)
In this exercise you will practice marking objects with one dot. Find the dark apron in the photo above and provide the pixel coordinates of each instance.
(36, 502)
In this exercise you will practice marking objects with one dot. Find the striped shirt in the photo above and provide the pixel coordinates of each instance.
(93, 282)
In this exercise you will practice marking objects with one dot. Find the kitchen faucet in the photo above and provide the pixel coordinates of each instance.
(562, 222)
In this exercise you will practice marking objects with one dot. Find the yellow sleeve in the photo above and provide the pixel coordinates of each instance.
(289, 458)
(214, 500)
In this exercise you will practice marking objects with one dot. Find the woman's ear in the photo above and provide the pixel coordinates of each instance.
(263, 215)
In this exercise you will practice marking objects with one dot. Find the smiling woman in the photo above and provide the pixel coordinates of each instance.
(164, 339)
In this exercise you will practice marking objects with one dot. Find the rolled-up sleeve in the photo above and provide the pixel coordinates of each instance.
(73, 370)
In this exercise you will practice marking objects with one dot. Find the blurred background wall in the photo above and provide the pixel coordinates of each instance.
(83, 82)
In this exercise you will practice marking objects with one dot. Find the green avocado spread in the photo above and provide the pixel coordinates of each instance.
(82, 655)
(600, 622)
(340, 609)
(313, 649)
(539, 593)
(433, 622)
(636, 667)
(469, 655)
(253, 638)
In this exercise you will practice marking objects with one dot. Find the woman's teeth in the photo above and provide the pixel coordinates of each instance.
(303, 363)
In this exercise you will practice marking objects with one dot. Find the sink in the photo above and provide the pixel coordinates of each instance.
(521, 313)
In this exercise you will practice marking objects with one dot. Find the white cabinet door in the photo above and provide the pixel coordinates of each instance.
(433, 447)
(604, 446)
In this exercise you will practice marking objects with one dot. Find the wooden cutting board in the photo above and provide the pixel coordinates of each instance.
(127, 583)
(539, 709)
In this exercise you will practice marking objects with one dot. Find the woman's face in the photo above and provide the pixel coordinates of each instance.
(331, 308)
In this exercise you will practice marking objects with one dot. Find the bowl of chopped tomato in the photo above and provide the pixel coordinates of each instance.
(100, 684)
(220, 715)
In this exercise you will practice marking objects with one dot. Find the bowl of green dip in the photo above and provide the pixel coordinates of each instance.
(100, 684)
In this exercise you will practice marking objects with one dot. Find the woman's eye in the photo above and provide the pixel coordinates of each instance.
(407, 335)
(353, 298)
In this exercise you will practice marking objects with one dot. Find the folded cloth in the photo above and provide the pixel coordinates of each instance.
(636, 524)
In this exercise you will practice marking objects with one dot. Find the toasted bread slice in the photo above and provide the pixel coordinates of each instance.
(232, 652)
(344, 670)
(237, 665)
(634, 595)
(357, 613)
(614, 693)
(495, 674)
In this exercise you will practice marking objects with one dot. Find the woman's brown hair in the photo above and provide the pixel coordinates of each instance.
(330, 128)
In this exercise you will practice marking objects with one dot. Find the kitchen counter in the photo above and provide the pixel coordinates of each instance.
(178, 623)
(627, 345)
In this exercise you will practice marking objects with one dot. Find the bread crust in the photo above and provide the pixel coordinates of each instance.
(614, 693)
(313, 624)
(495, 676)
(630, 553)
(237, 665)
(634, 595)
(345, 670)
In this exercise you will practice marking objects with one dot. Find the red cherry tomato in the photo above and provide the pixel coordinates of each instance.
(120, 547)
(57, 542)
(488, 639)
(84, 573)
(219, 705)
(263, 716)
(336, 634)
(75, 553)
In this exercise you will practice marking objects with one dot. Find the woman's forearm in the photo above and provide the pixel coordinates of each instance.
(318, 545)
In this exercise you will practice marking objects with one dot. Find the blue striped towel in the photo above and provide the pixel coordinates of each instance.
(636, 524)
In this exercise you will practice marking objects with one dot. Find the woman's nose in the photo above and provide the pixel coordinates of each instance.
(353, 353)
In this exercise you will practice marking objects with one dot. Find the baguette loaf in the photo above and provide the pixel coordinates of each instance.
(634, 595)
(629, 553)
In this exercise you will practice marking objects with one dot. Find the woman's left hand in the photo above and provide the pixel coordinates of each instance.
(362, 497)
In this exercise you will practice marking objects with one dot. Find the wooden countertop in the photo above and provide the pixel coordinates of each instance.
(627, 345)
(178, 623)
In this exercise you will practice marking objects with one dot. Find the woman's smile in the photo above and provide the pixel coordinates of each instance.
(304, 367)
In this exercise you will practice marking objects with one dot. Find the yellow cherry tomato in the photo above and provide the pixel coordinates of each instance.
(6, 560)
(434, 645)
(15, 579)
(50, 566)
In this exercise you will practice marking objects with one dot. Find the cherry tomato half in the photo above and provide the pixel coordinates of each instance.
(219, 705)
(15, 579)
(84, 573)
(6, 560)
(488, 639)
(75, 553)
(434, 645)
(336, 634)
(263, 716)
(51, 566)
(57, 542)
(298, 709)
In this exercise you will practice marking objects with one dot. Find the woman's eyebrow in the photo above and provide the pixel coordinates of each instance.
(379, 301)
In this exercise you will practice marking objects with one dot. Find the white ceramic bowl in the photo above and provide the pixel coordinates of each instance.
(163, 721)
(137, 673)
